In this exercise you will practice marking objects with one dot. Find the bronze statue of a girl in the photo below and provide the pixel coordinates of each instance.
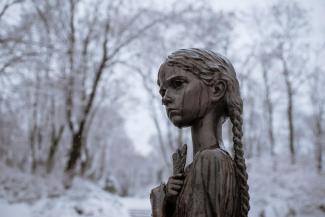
(200, 90)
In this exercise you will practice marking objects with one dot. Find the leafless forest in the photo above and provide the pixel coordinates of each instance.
(72, 73)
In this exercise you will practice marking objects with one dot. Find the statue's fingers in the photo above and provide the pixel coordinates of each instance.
(177, 189)
(172, 192)
(176, 181)
(179, 176)
(175, 186)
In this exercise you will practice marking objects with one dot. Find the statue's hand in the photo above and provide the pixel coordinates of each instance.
(173, 187)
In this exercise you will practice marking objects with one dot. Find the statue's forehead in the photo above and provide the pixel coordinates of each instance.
(167, 71)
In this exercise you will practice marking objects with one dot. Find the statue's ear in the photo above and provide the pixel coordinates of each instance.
(218, 90)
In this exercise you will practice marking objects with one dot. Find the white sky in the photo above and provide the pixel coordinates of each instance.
(139, 125)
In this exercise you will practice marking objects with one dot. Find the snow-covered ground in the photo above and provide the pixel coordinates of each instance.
(23, 195)
(287, 191)
(290, 190)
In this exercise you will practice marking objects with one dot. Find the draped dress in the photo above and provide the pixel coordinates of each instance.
(210, 188)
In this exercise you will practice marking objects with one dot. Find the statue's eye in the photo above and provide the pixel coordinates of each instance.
(176, 83)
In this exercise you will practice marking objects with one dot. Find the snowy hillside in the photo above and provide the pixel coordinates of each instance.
(288, 191)
(22, 195)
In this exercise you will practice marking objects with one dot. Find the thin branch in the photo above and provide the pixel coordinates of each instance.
(7, 6)
(135, 36)
(98, 75)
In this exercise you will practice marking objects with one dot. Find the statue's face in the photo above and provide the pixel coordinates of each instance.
(184, 95)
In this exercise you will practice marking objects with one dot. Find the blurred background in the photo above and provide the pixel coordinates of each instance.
(82, 128)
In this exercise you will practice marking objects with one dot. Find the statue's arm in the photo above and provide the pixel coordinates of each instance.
(157, 199)
(160, 206)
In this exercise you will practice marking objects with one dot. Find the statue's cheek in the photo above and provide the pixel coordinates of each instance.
(195, 101)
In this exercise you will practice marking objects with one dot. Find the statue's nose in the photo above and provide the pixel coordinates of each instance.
(166, 99)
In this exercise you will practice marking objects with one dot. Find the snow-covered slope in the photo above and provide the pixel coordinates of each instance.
(23, 195)
(289, 191)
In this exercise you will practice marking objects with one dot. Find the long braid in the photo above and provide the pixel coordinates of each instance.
(235, 114)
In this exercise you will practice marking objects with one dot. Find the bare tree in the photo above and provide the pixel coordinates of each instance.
(112, 42)
(262, 49)
(316, 95)
(290, 26)
(68, 50)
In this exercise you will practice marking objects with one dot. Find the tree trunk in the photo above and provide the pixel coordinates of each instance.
(35, 127)
(319, 148)
(269, 110)
(32, 141)
(55, 140)
(75, 152)
(289, 111)
(51, 154)
(271, 130)
(291, 126)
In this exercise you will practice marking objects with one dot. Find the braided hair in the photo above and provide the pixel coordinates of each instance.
(211, 67)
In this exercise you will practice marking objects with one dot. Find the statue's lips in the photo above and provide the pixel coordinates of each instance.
(172, 111)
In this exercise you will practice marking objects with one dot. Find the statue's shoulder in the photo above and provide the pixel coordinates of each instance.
(214, 164)
(215, 154)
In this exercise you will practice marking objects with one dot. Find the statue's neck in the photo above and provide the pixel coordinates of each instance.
(206, 133)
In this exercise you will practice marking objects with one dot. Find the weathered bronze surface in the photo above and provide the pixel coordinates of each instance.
(200, 90)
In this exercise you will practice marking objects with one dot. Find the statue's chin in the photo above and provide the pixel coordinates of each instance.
(179, 122)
